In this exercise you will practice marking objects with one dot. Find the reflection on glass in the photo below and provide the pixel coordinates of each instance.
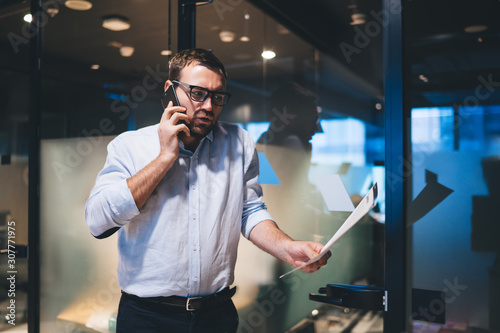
(451, 250)
(347, 145)
(432, 129)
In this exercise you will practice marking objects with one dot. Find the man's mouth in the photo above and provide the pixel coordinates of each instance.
(203, 117)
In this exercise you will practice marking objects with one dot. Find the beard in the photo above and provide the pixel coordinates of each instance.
(201, 130)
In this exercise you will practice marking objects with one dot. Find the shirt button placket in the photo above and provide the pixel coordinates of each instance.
(194, 227)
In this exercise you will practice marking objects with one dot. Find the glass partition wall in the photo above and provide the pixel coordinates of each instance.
(453, 108)
(343, 138)
(14, 138)
(104, 65)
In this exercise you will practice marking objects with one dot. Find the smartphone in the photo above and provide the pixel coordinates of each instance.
(170, 95)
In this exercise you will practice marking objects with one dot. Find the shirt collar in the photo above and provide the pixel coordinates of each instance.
(210, 135)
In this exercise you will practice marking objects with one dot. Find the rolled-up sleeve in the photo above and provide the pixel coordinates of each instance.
(111, 204)
(254, 209)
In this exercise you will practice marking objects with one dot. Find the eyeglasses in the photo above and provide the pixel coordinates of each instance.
(200, 94)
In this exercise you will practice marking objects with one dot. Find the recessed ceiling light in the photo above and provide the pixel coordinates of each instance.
(115, 23)
(166, 52)
(475, 28)
(52, 11)
(227, 36)
(28, 18)
(423, 78)
(78, 4)
(201, 3)
(268, 54)
(244, 38)
(126, 51)
(95, 67)
(358, 19)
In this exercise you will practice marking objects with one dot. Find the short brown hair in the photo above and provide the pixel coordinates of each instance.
(189, 56)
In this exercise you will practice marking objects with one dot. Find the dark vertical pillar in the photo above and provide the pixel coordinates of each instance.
(397, 316)
(186, 24)
(34, 169)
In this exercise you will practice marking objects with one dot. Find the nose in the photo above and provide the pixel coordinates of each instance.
(207, 104)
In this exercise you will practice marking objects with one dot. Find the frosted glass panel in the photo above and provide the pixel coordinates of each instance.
(79, 289)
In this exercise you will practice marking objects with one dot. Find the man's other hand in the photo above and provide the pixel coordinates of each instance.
(301, 252)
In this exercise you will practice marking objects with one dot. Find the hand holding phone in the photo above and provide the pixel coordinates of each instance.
(171, 95)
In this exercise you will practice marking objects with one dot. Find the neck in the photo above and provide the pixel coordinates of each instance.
(190, 143)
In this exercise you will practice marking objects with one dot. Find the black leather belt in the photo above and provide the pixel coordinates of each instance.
(189, 303)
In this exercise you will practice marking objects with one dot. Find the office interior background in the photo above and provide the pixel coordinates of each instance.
(408, 98)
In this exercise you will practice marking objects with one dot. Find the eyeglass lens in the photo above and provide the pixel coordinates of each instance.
(199, 94)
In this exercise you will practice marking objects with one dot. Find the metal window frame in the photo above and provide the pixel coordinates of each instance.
(35, 61)
(398, 259)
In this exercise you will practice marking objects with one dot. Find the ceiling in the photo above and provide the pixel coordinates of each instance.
(347, 72)
(454, 62)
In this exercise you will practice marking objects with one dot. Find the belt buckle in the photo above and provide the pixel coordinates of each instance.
(188, 303)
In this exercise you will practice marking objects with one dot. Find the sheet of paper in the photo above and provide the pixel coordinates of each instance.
(361, 210)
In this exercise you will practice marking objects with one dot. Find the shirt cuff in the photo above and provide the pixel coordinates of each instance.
(121, 202)
(254, 219)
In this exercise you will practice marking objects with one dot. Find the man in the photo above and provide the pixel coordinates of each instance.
(181, 193)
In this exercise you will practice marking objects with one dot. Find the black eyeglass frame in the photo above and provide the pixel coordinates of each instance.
(209, 93)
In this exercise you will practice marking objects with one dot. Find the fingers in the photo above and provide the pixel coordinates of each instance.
(312, 249)
(323, 260)
(175, 118)
(174, 114)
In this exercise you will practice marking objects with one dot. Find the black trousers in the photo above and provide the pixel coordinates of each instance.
(136, 316)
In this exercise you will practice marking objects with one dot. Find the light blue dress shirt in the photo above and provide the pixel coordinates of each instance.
(184, 240)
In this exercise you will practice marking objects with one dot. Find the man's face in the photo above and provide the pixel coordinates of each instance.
(203, 115)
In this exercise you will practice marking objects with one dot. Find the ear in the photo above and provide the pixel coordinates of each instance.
(168, 83)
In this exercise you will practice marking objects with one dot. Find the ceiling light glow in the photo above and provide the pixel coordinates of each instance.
(166, 52)
(52, 11)
(95, 67)
(116, 23)
(126, 51)
(78, 4)
(227, 36)
(475, 28)
(244, 38)
(358, 19)
(268, 54)
(423, 78)
(28, 18)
